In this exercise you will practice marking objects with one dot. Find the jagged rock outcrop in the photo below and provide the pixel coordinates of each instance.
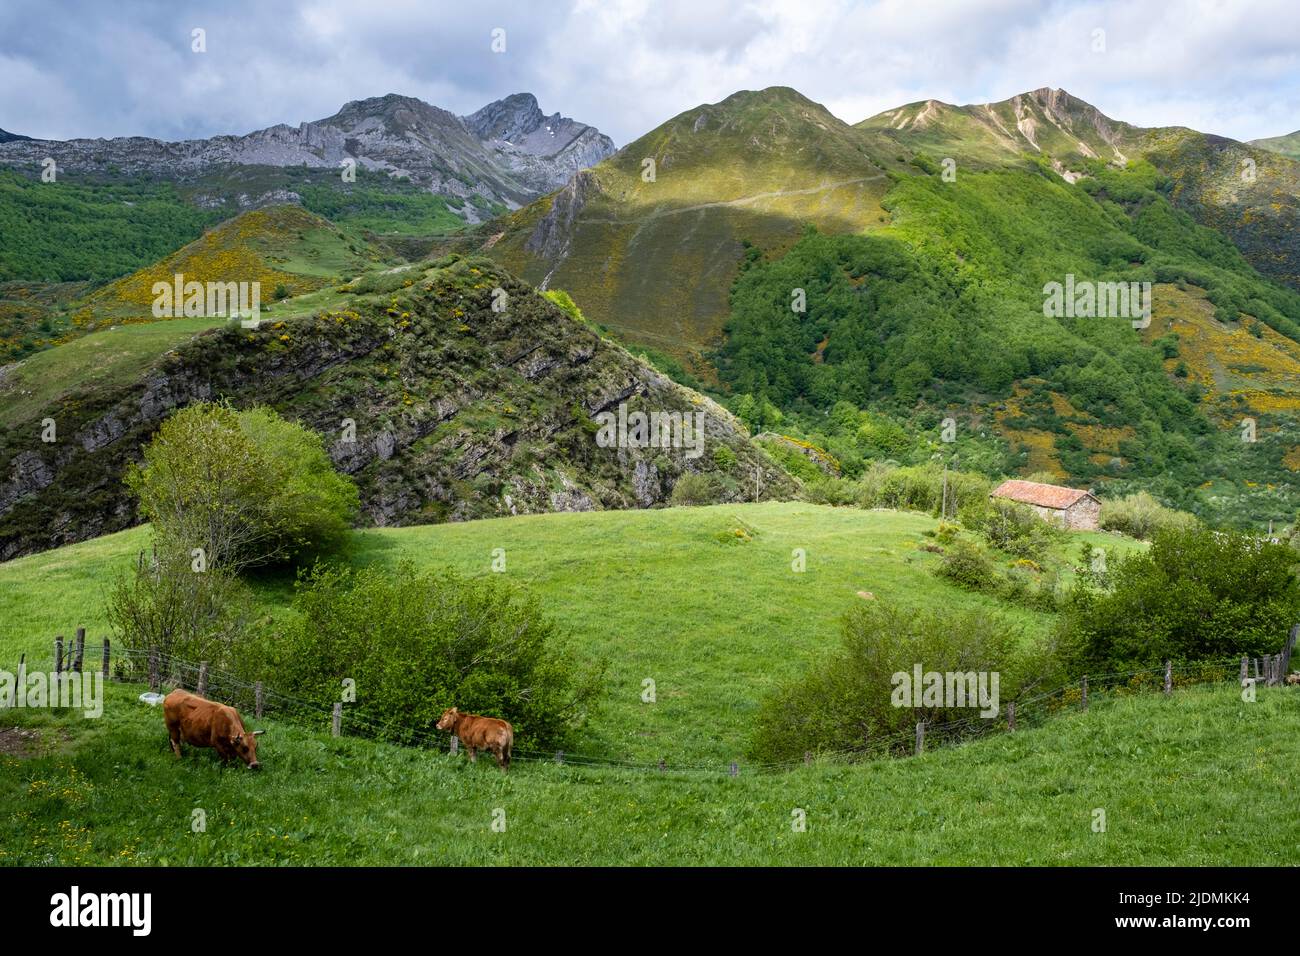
(507, 152)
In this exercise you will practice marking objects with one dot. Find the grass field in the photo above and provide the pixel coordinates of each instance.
(1199, 778)
(101, 360)
(669, 595)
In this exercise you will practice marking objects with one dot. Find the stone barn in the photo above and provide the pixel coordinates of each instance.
(1068, 507)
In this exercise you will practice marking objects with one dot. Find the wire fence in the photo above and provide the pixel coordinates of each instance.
(162, 672)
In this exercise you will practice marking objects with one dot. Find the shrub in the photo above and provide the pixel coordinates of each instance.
(919, 488)
(1012, 527)
(163, 604)
(1140, 515)
(968, 565)
(694, 488)
(1194, 595)
(844, 702)
(248, 487)
(831, 491)
(418, 642)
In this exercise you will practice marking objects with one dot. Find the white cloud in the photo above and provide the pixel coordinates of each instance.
(628, 65)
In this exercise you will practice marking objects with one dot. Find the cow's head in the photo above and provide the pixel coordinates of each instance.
(448, 719)
(245, 745)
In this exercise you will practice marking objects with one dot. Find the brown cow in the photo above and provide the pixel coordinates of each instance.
(205, 723)
(480, 733)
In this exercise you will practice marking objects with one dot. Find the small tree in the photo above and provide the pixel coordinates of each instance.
(248, 488)
(163, 604)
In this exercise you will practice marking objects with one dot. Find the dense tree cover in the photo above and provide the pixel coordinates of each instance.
(945, 310)
(70, 229)
(1193, 595)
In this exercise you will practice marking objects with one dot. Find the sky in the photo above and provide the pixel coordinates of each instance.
(88, 68)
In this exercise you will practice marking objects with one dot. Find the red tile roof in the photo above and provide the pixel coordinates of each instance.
(1057, 497)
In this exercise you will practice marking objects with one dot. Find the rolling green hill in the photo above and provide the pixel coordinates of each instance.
(448, 389)
(1167, 772)
(1288, 145)
(928, 298)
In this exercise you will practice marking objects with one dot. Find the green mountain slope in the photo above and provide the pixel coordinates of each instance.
(930, 302)
(654, 260)
(1248, 192)
(1288, 145)
(460, 409)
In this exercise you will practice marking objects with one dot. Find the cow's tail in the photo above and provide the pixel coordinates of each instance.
(507, 744)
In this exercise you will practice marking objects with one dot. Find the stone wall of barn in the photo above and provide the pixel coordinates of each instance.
(1082, 515)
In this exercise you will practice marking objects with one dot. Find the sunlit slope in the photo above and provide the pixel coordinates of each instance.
(285, 248)
(654, 258)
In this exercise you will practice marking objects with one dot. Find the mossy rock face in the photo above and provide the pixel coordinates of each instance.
(460, 410)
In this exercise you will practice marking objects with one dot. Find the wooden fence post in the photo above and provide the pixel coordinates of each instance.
(202, 689)
(258, 700)
(559, 756)
(58, 654)
(81, 650)
(807, 758)
(1286, 651)
(455, 745)
(734, 768)
(1169, 677)
(153, 669)
(1084, 688)
(338, 719)
(1245, 670)
(106, 656)
(1011, 715)
(920, 737)
(662, 766)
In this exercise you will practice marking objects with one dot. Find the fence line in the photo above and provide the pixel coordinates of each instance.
(253, 697)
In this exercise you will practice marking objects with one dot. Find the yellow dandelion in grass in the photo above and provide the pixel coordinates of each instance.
(284, 338)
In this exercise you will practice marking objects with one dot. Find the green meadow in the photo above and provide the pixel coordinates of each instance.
(714, 619)
(674, 596)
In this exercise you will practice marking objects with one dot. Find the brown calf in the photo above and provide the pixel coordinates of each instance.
(205, 723)
(480, 733)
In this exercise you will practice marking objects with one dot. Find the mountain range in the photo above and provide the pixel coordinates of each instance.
(803, 271)
(506, 153)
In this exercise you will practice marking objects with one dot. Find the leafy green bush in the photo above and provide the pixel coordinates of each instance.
(845, 701)
(695, 488)
(1012, 527)
(418, 642)
(968, 565)
(164, 604)
(920, 488)
(1194, 595)
(249, 488)
(1140, 515)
